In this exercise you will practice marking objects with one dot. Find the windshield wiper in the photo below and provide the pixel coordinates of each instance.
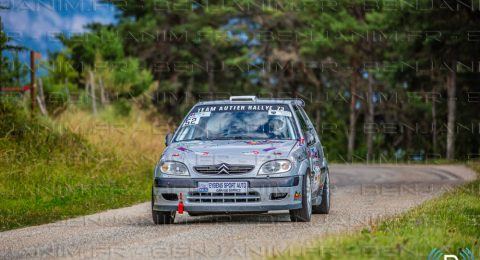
(196, 139)
(239, 137)
(234, 138)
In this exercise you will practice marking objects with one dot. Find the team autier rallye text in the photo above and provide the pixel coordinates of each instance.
(242, 155)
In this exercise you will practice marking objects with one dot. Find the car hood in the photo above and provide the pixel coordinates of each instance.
(228, 151)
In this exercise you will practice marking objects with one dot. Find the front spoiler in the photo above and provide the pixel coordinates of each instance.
(228, 208)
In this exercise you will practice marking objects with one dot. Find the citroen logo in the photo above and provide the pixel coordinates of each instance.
(223, 168)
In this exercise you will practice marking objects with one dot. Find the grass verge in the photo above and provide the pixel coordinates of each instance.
(449, 223)
(49, 173)
(133, 137)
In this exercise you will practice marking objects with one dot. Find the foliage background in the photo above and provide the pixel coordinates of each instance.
(377, 77)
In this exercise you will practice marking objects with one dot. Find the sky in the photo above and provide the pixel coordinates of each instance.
(34, 23)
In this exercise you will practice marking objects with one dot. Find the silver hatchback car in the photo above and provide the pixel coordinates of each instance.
(242, 155)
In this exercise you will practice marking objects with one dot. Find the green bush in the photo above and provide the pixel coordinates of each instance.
(122, 107)
(58, 95)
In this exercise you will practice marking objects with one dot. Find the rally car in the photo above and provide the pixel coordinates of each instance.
(242, 155)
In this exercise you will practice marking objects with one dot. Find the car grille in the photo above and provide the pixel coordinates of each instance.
(224, 169)
(200, 197)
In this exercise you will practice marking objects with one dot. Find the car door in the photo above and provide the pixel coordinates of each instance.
(323, 165)
(315, 151)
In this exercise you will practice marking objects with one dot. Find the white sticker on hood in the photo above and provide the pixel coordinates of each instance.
(279, 113)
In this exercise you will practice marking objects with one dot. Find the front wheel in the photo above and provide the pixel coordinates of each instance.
(324, 206)
(304, 214)
(162, 217)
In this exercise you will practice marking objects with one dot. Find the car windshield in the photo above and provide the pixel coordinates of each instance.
(226, 122)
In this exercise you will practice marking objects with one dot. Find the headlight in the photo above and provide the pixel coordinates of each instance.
(277, 166)
(300, 154)
(173, 168)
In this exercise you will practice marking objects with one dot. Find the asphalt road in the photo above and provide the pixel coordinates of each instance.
(360, 195)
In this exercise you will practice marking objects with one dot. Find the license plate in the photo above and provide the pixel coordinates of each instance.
(223, 187)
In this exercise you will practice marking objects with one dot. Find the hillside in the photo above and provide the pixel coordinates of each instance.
(48, 172)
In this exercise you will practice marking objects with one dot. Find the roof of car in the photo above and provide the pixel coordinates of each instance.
(254, 100)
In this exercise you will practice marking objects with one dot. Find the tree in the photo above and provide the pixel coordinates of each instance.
(11, 72)
(59, 82)
(83, 48)
(444, 49)
(333, 56)
(101, 52)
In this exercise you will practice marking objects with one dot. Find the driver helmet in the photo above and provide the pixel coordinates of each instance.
(276, 126)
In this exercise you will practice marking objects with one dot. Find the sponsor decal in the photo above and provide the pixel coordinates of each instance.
(269, 149)
(202, 153)
(183, 149)
(301, 142)
(277, 153)
(202, 114)
(231, 108)
(279, 113)
(220, 187)
(175, 154)
(251, 153)
(203, 187)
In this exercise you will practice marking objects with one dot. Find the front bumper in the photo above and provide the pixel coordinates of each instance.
(264, 194)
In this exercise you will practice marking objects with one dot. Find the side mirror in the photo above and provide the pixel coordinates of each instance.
(168, 139)
(309, 138)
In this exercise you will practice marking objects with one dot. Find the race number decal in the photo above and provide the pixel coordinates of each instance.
(194, 118)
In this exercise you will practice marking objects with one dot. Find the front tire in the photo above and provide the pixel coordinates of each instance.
(324, 206)
(304, 214)
(162, 217)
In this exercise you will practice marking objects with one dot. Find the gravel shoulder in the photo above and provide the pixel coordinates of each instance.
(360, 195)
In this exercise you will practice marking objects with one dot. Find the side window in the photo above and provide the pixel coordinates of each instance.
(309, 123)
(301, 119)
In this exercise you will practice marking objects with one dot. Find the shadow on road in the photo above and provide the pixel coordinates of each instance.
(234, 219)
